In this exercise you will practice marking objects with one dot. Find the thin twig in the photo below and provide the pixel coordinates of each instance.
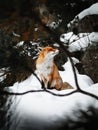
(88, 94)
(3, 92)
(73, 68)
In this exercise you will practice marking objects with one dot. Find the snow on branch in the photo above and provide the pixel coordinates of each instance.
(79, 42)
(89, 11)
(92, 10)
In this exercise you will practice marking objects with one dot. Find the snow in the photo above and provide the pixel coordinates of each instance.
(92, 10)
(89, 11)
(71, 37)
(47, 107)
(3, 73)
(56, 45)
(53, 25)
(20, 44)
(94, 37)
(66, 37)
(80, 41)
(16, 35)
(68, 76)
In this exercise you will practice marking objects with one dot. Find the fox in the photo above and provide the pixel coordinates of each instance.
(48, 71)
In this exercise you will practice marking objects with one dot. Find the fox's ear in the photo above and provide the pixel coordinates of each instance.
(40, 48)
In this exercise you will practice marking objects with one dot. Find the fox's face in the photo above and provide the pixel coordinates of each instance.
(49, 52)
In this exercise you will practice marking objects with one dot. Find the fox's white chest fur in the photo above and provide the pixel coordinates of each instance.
(45, 64)
(45, 68)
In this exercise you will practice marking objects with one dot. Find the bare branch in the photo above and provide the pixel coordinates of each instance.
(3, 92)
(88, 94)
(68, 54)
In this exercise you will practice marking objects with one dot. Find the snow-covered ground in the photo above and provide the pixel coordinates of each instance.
(46, 107)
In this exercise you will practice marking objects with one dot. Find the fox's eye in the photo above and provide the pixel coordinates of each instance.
(51, 50)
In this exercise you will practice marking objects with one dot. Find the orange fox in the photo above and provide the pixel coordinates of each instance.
(48, 71)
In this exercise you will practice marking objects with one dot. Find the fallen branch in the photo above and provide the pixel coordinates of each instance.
(7, 93)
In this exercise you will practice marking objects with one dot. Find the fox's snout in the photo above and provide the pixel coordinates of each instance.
(54, 52)
(57, 51)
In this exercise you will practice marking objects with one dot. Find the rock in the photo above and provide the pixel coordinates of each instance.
(90, 62)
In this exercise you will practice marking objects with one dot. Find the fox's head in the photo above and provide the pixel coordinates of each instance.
(49, 52)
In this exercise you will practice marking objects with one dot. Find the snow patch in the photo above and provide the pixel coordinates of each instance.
(92, 10)
(79, 42)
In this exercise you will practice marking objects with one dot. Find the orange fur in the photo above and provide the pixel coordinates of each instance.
(48, 71)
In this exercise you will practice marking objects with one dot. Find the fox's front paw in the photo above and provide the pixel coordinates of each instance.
(43, 85)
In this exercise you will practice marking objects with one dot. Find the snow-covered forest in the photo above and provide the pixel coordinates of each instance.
(71, 26)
